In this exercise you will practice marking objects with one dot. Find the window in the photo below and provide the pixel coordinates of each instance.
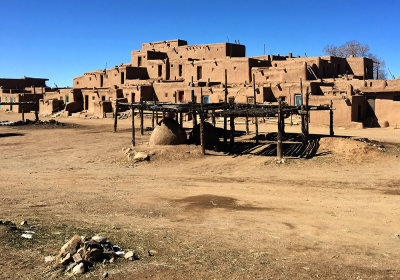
(103, 98)
(166, 94)
(92, 97)
(250, 100)
(122, 78)
(66, 99)
(231, 99)
(139, 63)
(159, 70)
(180, 70)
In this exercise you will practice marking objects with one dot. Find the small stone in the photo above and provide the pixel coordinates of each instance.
(397, 235)
(99, 239)
(79, 269)
(152, 252)
(49, 259)
(27, 235)
(131, 256)
(24, 223)
(77, 257)
(105, 274)
(112, 260)
(141, 156)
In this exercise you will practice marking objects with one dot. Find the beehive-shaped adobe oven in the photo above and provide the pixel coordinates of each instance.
(168, 132)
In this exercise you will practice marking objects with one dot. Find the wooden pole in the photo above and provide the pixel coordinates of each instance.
(279, 151)
(232, 134)
(213, 118)
(202, 140)
(307, 112)
(22, 106)
(133, 121)
(331, 132)
(181, 119)
(304, 135)
(226, 102)
(290, 103)
(255, 105)
(152, 111)
(247, 124)
(152, 118)
(116, 116)
(141, 116)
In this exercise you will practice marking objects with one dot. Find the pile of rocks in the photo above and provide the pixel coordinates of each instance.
(80, 253)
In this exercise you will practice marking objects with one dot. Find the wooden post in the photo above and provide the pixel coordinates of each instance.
(255, 105)
(279, 151)
(307, 112)
(152, 118)
(133, 121)
(181, 119)
(36, 110)
(116, 115)
(290, 103)
(247, 124)
(163, 114)
(22, 106)
(213, 118)
(194, 115)
(141, 116)
(232, 134)
(304, 135)
(331, 132)
(202, 139)
(226, 102)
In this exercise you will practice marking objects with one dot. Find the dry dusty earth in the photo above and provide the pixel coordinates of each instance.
(334, 216)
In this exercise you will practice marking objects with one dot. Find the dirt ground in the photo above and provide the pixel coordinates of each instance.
(220, 216)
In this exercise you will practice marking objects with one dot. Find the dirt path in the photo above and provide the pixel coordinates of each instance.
(334, 216)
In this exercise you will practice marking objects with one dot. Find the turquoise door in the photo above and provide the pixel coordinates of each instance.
(206, 99)
(297, 100)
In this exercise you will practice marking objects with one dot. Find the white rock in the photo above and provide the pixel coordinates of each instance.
(27, 235)
(99, 239)
(141, 156)
(79, 269)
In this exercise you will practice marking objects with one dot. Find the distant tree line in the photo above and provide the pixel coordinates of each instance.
(356, 49)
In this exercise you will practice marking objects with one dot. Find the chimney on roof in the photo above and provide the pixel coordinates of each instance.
(290, 55)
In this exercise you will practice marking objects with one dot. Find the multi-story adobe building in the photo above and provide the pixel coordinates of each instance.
(173, 71)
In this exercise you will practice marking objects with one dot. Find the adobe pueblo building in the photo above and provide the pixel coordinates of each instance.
(19, 90)
(173, 71)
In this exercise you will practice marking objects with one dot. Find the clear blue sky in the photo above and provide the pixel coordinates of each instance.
(61, 39)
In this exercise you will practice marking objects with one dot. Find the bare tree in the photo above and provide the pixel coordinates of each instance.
(355, 48)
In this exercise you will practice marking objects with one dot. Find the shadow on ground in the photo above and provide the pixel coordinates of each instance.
(3, 135)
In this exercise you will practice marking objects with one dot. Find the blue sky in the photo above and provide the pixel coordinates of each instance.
(61, 39)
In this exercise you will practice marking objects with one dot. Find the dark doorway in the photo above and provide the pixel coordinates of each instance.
(181, 96)
(180, 70)
(159, 70)
(199, 73)
(122, 78)
(101, 80)
(371, 107)
(139, 61)
(86, 102)
(359, 113)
